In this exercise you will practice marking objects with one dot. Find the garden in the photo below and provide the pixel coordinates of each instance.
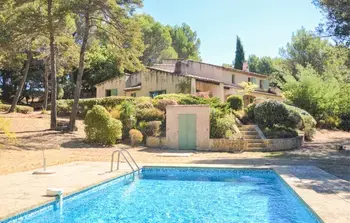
(110, 119)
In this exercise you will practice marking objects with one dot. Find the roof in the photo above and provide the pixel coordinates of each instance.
(132, 88)
(230, 69)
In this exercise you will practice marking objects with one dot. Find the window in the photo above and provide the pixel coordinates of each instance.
(261, 84)
(111, 92)
(233, 79)
(153, 94)
(249, 79)
(133, 94)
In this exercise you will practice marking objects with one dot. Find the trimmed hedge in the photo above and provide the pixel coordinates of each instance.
(235, 102)
(19, 108)
(101, 127)
(64, 107)
(149, 114)
(135, 136)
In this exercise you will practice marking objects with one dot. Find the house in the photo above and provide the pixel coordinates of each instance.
(187, 76)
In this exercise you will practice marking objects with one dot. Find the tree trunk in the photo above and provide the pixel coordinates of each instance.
(53, 123)
(21, 85)
(80, 72)
(46, 83)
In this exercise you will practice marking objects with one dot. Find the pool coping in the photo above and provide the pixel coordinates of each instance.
(287, 177)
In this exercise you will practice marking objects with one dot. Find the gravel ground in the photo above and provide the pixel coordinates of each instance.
(60, 147)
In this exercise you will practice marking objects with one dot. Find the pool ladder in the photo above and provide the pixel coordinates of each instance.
(123, 152)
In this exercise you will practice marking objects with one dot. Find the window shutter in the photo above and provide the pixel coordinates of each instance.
(266, 84)
(114, 92)
(253, 80)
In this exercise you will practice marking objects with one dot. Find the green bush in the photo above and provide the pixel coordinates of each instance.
(127, 116)
(19, 108)
(249, 117)
(307, 124)
(221, 124)
(64, 107)
(149, 114)
(187, 99)
(270, 113)
(162, 103)
(151, 128)
(278, 132)
(100, 127)
(135, 137)
(235, 102)
(115, 113)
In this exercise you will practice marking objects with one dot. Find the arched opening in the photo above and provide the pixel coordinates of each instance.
(248, 99)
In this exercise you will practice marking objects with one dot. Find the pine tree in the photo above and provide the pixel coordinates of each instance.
(239, 58)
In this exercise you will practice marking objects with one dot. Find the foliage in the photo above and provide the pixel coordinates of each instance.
(151, 128)
(185, 42)
(127, 116)
(249, 117)
(162, 103)
(19, 108)
(278, 132)
(115, 113)
(239, 56)
(187, 99)
(322, 98)
(248, 87)
(64, 107)
(337, 24)
(221, 124)
(135, 136)
(149, 114)
(5, 127)
(100, 127)
(263, 65)
(156, 38)
(235, 102)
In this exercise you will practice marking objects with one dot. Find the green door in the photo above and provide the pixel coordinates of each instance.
(187, 131)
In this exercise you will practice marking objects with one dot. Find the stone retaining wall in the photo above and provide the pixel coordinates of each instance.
(227, 145)
(283, 144)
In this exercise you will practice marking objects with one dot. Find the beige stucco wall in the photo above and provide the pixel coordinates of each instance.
(202, 113)
(214, 72)
(114, 83)
(158, 80)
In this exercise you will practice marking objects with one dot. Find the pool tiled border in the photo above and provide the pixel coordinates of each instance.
(333, 211)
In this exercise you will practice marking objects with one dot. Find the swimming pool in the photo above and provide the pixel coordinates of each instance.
(165, 194)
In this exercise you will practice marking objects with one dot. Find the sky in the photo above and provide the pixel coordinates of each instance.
(264, 26)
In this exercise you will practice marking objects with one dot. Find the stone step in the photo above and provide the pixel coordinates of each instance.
(256, 145)
(246, 128)
(249, 133)
(258, 140)
(251, 137)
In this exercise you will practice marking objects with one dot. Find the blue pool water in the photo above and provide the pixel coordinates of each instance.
(182, 195)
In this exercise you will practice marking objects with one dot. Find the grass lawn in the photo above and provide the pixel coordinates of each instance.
(33, 136)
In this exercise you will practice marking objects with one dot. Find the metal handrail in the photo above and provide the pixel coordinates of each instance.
(121, 151)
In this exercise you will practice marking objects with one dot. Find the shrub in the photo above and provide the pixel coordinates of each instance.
(221, 125)
(162, 103)
(270, 113)
(248, 116)
(19, 108)
(115, 113)
(64, 107)
(135, 136)
(127, 116)
(345, 122)
(277, 132)
(149, 114)
(153, 128)
(100, 127)
(144, 105)
(235, 102)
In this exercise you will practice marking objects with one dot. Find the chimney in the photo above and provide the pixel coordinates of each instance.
(245, 66)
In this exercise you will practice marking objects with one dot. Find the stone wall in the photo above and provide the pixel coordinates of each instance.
(283, 144)
(228, 145)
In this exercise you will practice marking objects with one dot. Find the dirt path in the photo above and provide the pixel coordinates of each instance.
(33, 136)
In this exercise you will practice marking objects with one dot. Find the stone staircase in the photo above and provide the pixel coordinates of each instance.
(255, 142)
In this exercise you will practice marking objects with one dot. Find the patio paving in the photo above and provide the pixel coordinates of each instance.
(326, 194)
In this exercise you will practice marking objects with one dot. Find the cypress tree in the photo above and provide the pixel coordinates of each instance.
(239, 57)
